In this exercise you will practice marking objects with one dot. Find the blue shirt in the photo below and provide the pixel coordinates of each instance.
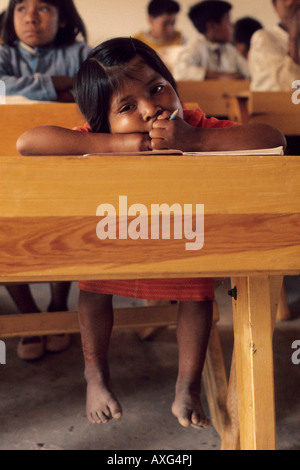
(27, 71)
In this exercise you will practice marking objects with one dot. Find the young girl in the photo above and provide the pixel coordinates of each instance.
(127, 95)
(40, 55)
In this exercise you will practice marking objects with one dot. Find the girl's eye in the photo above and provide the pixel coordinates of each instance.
(126, 108)
(156, 89)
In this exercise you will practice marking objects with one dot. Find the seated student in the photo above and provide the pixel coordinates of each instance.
(40, 55)
(39, 59)
(274, 57)
(244, 28)
(127, 96)
(162, 35)
(211, 55)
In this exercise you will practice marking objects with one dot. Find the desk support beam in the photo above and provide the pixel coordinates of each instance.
(253, 318)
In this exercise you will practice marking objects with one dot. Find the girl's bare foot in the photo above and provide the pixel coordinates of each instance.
(101, 404)
(188, 409)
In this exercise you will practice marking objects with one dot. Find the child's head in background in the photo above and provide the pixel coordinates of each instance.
(212, 18)
(42, 23)
(124, 86)
(162, 15)
(244, 28)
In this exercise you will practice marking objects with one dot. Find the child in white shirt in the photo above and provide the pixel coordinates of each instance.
(274, 57)
(211, 55)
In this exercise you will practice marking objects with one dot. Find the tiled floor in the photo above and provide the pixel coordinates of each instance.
(43, 403)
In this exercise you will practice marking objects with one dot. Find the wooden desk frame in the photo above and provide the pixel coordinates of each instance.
(252, 227)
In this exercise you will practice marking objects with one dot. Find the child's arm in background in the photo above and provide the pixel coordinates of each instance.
(52, 140)
(180, 135)
(63, 86)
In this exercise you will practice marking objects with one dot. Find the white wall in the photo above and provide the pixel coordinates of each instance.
(108, 18)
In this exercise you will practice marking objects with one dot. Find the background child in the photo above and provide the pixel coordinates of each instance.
(211, 54)
(40, 55)
(244, 28)
(127, 95)
(38, 60)
(162, 35)
(274, 57)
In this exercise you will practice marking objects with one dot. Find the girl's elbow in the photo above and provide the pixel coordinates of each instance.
(24, 144)
(277, 138)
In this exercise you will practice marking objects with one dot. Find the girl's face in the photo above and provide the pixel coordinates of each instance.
(138, 104)
(36, 22)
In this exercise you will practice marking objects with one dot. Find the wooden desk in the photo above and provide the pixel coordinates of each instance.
(252, 234)
(18, 118)
(209, 93)
(272, 107)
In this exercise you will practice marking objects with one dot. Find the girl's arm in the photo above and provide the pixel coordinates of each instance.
(180, 135)
(52, 140)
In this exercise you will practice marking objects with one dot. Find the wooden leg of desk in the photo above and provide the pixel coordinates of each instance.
(253, 332)
(231, 429)
(215, 380)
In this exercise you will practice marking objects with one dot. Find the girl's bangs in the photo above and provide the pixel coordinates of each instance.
(55, 3)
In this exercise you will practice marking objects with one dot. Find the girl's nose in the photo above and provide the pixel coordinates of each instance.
(150, 110)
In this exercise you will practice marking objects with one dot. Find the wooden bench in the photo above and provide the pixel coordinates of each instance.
(209, 93)
(252, 234)
(273, 107)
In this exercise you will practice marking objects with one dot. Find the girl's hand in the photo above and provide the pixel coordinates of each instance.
(137, 142)
(176, 134)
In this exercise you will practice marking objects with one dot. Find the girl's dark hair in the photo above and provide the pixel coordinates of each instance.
(206, 11)
(103, 73)
(67, 13)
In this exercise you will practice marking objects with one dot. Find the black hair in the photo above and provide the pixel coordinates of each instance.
(160, 7)
(67, 13)
(244, 28)
(103, 73)
(208, 10)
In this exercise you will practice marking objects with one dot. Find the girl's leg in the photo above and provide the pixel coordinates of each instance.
(193, 329)
(96, 320)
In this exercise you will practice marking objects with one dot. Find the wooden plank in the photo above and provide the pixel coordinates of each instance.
(209, 93)
(251, 216)
(273, 102)
(215, 380)
(253, 332)
(67, 322)
(274, 108)
(235, 185)
(231, 428)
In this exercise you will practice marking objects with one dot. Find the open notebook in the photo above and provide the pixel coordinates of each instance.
(270, 151)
